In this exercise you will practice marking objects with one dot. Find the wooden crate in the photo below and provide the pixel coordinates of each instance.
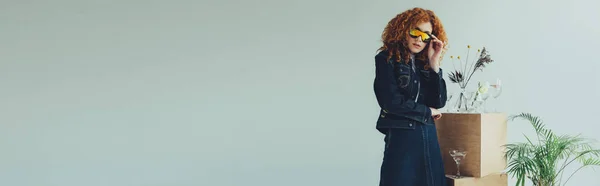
(481, 135)
(489, 180)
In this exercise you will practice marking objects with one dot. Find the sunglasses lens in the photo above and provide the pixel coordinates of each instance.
(426, 39)
(416, 33)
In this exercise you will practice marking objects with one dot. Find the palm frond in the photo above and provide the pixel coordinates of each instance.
(537, 123)
(567, 145)
(518, 149)
(539, 162)
(590, 161)
(521, 166)
(588, 155)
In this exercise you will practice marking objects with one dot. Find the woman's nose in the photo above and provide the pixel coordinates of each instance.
(420, 39)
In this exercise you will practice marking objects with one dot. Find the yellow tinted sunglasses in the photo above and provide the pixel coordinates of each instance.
(425, 37)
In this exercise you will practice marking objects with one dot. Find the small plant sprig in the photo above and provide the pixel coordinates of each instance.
(465, 71)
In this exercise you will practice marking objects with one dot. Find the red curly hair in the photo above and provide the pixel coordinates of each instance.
(395, 34)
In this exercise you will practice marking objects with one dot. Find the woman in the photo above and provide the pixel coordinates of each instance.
(410, 89)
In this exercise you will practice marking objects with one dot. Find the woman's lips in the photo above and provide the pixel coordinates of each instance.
(417, 45)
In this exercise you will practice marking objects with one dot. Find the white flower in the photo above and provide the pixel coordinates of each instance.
(483, 87)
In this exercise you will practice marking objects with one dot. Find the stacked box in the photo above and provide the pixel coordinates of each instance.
(489, 180)
(482, 136)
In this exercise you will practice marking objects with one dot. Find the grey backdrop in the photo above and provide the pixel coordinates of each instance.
(223, 93)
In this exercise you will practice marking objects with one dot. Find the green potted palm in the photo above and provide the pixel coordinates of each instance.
(543, 161)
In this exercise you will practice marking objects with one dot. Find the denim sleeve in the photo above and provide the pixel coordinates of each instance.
(390, 97)
(435, 88)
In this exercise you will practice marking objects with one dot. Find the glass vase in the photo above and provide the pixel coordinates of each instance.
(463, 102)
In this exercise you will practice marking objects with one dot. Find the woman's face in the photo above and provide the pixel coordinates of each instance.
(416, 36)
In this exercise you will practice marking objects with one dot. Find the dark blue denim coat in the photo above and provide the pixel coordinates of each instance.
(405, 95)
(412, 155)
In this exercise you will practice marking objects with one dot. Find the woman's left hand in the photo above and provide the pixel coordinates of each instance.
(434, 52)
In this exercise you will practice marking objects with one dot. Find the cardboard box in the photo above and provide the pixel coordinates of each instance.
(481, 135)
(489, 180)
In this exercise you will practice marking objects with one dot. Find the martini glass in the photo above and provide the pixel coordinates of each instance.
(458, 155)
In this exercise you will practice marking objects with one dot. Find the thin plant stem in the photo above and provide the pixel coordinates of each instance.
(473, 69)
(453, 65)
(463, 83)
(460, 68)
(564, 162)
(565, 183)
(467, 61)
(562, 169)
(468, 79)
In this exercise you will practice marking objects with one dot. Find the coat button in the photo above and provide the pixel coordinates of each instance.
(415, 81)
(383, 116)
(410, 124)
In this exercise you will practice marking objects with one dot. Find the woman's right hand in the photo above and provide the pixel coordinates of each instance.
(435, 113)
